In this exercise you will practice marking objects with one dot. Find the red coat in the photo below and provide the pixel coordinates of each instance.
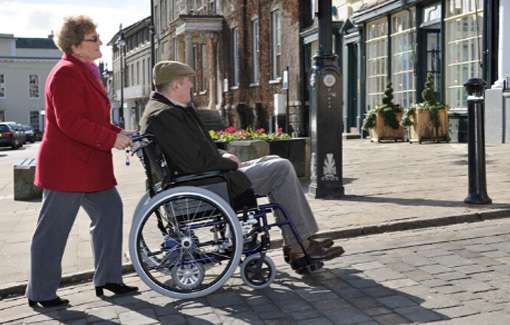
(75, 153)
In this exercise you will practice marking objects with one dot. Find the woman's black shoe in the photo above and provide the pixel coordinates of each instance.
(116, 288)
(57, 302)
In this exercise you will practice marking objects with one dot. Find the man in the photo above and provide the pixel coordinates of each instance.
(170, 117)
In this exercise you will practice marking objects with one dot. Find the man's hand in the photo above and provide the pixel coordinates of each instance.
(233, 158)
(122, 142)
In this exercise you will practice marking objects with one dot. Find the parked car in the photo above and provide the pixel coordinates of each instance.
(29, 133)
(18, 128)
(10, 137)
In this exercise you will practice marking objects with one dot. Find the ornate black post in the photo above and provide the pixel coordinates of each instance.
(326, 114)
(476, 143)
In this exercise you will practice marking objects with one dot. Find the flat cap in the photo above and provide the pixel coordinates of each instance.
(167, 71)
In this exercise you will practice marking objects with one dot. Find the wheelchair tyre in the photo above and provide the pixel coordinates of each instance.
(258, 272)
(201, 249)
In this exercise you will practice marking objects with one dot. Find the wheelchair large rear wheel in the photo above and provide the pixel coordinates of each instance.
(185, 242)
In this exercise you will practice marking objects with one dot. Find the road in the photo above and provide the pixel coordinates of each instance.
(451, 275)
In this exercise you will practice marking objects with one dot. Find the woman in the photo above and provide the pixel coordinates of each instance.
(75, 168)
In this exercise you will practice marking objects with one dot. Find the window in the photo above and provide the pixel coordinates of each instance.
(464, 29)
(33, 86)
(276, 44)
(255, 51)
(143, 72)
(2, 116)
(2, 85)
(171, 10)
(403, 36)
(132, 72)
(377, 60)
(175, 55)
(34, 120)
(137, 72)
(156, 19)
(205, 68)
(164, 13)
(235, 47)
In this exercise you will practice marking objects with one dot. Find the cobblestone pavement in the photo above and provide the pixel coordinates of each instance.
(451, 275)
(386, 184)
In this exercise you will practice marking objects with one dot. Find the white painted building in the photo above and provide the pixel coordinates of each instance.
(24, 67)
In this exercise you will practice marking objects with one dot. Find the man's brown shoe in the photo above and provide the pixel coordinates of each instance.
(324, 242)
(316, 255)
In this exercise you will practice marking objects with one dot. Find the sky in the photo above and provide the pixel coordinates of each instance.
(37, 18)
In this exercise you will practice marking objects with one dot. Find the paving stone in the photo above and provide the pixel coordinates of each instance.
(400, 283)
(368, 266)
(364, 303)
(377, 311)
(383, 274)
(376, 292)
(315, 321)
(391, 319)
(452, 261)
(419, 314)
(396, 301)
(435, 269)
(418, 275)
(454, 312)
(433, 283)
(448, 289)
(472, 269)
(433, 252)
(452, 276)
(172, 320)
(436, 301)
(472, 285)
(145, 316)
(305, 314)
(331, 304)
(401, 267)
(346, 316)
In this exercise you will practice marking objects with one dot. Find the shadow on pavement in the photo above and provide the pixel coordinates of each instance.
(331, 295)
(421, 202)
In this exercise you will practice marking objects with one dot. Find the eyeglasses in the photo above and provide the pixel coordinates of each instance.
(94, 39)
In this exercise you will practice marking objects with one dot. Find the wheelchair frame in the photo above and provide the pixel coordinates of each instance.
(249, 223)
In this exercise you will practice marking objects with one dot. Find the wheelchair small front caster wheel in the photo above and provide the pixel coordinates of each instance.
(188, 276)
(258, 271)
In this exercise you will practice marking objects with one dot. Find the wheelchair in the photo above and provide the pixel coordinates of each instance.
(188, 237)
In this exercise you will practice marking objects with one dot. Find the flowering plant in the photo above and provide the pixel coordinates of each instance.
(233, 134)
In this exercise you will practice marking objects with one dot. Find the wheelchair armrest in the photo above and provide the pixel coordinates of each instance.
(199, 176)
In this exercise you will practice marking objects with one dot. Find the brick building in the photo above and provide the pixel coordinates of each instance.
(237, 49)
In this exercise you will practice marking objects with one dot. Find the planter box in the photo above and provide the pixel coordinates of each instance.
(295, 150)
(384, 132)
(423, 129)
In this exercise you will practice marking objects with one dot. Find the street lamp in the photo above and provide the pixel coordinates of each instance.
(121, 43)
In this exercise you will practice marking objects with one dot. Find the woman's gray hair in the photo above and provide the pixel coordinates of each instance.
(73, 32)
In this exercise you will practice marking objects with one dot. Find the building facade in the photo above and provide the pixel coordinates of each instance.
(24, 67)
(245, 53)
(131, 72)
(402, 41)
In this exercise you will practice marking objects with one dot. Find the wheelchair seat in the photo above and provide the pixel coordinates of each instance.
(161, 174)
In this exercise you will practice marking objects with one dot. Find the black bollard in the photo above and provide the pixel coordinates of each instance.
(476, 143)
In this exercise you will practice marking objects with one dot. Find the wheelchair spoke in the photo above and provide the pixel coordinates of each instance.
(198, 249)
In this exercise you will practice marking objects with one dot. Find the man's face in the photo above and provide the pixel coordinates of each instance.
(184, 87)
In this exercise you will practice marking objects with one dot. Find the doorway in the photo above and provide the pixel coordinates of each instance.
(430, 49)
(352, 88)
